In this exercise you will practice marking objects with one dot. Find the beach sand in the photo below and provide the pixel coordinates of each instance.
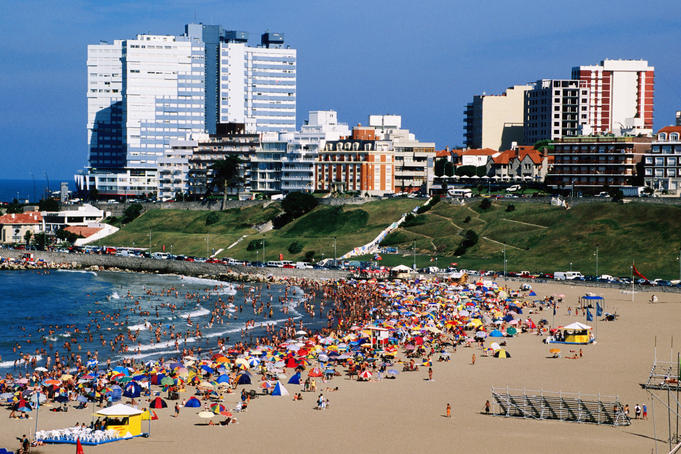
(407, 414)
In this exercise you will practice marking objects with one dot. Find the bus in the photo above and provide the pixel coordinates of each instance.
(460, 193)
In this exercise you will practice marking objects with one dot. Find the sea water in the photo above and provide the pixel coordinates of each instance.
(33, 302)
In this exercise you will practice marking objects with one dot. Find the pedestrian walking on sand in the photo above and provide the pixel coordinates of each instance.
(430, 374)
(449, 410)
(473, 360)
(177, 409)
(645, 412)
(487, 405)
(637, 412)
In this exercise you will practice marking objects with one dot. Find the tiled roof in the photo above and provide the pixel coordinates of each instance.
(670, 129)
(83, 230)
(32, 217)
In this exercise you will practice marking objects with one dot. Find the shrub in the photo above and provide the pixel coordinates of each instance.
(295, 247)
(467, 220)
(470, 239)
(411, 220)
(510, 208)
(309, 256)
(212, 218)
(255, 245)
(485, 204)
(281, 220)
(132, 212)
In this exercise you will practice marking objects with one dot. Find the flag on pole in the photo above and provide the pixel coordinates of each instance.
(599, 310)
(79, 447)
(636, 273)
(589, 316)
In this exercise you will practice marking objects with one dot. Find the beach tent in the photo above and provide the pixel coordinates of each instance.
(193, 402)
(577, 333)
(496, 333)
(511, 331)
(295, 379)
(224, 378)
(124, 419)
(158, 403)
(279, 390)
(244, 379)
(501, 353)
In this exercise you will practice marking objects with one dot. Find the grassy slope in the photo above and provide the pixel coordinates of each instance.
(352, 225)
(187, 230)
(648, 234)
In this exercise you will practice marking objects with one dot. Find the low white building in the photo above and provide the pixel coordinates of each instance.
(85, 215)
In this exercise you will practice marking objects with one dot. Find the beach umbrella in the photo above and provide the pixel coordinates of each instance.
(323, 358)
(501, 353)
(511, 331)
(40, 369)
(496, 333)
(555, 351)
(65, 377)
(82, 399)
(158, 403)
(167, 381)
(365, 375)
(120, 370)
(315, 372)
(226, 414)
(205, 385)
(193, 402)
(217, 408)
(132, 390)
(206, 414)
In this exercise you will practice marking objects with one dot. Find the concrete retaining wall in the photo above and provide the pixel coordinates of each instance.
(176, 266)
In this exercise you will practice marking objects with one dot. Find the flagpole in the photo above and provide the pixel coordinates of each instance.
(632, 282)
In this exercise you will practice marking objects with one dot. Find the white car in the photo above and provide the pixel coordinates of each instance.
(514, 188)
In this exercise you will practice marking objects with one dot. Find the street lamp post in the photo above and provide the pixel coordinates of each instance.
(334, 251)
(570, 266)
(504, 262)
(207, 253)
(413, 250)
(596, 254)
(150, 241)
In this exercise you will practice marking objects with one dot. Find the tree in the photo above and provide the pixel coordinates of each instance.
(309, 256)
(27, 236)
(40, 240)
(485, 204)
(14, 207)
(48, 205)
(212, 218)
(225, 175)
(297, 204)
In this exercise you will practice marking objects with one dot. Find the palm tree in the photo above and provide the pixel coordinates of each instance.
(225, 175)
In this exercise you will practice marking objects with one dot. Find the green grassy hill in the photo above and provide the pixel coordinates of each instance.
(186, 231)
(542, 238)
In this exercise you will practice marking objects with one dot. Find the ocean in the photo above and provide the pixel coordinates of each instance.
(29, 190)
(43, 310)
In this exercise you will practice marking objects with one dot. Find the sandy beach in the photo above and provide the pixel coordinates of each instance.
(407, 414)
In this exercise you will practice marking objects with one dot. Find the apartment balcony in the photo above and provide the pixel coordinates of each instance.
(594, 161)
(591, 173)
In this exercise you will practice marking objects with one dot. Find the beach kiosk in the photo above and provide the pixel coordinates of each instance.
(576, 333)
(124, 419)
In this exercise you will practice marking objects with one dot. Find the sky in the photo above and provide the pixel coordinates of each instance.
(423, 59)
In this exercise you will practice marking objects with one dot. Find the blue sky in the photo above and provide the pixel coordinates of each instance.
(421, 59)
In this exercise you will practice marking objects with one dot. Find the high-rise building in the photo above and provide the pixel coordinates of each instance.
(678, 118)
(555, 109)
(495, 121)
(620, 94)
(257, 85)
(145, 92)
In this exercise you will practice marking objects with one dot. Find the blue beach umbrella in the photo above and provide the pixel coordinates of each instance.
(132, 390)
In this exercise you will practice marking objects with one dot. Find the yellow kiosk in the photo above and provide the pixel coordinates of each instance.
(576, 333)
(124, 419)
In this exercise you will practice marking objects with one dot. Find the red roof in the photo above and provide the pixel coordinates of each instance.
(83, 230)
(442, 154)
(507, 156)
(670, 129)
(479, 151)
(32, 217)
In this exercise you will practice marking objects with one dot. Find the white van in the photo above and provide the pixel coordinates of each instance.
(160, 255)
(455, 192)
(567, 275)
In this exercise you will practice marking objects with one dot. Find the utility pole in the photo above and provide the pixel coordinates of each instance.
(504, 262)
(570, 266)
(207, 246)
(334, 251)
(149, 240)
